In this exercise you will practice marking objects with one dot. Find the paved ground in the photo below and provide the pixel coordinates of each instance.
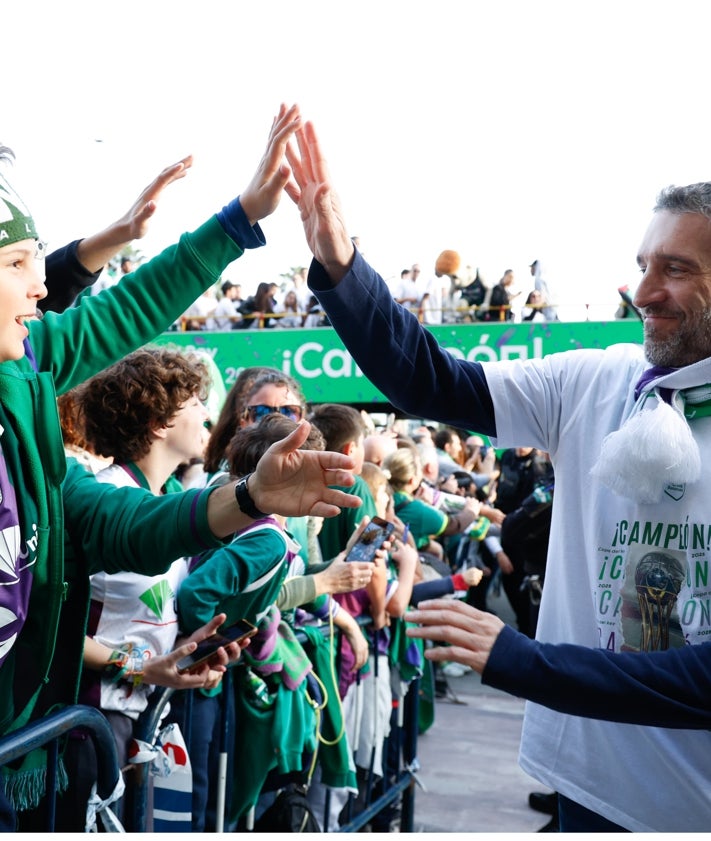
(469, 762)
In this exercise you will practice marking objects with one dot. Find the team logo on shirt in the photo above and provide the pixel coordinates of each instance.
(7, 617)
(675, 491)
(12, 557)
(157, 597)
(9, 554)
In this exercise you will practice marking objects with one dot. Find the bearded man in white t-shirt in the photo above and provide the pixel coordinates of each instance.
(628, 431)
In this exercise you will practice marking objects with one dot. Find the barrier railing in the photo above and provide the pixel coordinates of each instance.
(398, 781)
(48, 731)
(248, 321)
(459, 314)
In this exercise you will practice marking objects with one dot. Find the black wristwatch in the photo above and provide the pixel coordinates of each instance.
(245, 501)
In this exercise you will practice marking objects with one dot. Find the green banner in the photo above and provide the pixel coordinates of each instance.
(327, 373)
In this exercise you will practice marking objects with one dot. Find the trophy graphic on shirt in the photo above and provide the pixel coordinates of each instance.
(658, 580)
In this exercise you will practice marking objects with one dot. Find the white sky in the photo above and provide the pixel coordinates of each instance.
(507, 131)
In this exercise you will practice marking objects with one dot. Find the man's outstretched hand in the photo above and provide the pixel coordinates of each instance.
(310, 189)
(295, 482)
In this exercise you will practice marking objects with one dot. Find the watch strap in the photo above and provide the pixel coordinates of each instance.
(244, 500)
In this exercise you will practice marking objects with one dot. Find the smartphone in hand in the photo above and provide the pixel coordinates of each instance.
(206, 649)
(371, 539)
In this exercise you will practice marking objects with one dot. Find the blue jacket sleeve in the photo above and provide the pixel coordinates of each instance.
(431, 589)
(236, 225)
(66, 278)
(398, 355)
(659, 688)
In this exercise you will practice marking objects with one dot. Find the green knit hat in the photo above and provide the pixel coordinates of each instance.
(16, 223)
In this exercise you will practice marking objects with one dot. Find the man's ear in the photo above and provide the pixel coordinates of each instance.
(348, 448)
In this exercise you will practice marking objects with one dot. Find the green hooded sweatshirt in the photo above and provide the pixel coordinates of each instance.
(105, 529)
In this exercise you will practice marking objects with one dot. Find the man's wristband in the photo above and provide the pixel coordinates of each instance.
(245, 501)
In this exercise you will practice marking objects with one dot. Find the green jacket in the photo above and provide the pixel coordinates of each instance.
(336, 531)
(242, 579)
(335, 754)
(106, 529)
(281, 736)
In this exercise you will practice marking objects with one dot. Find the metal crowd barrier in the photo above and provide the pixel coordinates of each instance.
(47, 732)
(397, 783)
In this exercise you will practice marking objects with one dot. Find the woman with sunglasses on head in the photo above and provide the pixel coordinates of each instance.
(258, 393)
(228, 420)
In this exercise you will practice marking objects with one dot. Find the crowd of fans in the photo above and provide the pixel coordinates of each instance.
(437, 486)
(289, 304)
(437, 299)
(142, 447)
(142, 422)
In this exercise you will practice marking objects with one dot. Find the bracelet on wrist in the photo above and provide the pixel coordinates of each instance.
(123, 666)
(134, 670)
(479, 528)
(115, 669)
(244, 500)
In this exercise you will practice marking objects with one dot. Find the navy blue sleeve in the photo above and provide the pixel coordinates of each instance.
(399, 356)
(431, 589)
(659, 688)
(236, 225)
(66, 278)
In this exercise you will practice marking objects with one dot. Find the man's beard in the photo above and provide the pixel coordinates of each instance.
(689, 344)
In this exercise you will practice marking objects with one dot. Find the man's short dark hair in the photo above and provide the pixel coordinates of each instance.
(443, 437)
(339, 423)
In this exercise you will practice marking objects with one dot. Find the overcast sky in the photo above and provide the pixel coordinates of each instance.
(505, 131)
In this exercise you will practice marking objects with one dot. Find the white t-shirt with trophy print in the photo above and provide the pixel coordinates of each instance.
(620, 575)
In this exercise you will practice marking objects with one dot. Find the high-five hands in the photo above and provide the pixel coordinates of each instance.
(310, 189)
(262, 195)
